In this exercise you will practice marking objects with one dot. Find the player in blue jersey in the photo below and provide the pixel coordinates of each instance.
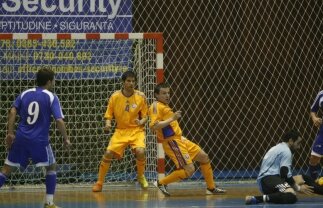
(35, 107)
(317, 147)
(275, 178)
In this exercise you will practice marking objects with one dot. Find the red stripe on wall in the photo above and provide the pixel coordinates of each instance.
(93, 36)
(159, 75)
(64, 36)
(35, 36)
(6, 36)
(121, 36)
(161, 165)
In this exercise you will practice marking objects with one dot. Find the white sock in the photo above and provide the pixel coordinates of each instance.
(49, 199)
(264, 197)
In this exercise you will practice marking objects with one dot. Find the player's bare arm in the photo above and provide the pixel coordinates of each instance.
(162, 124)
(62, 128)
(316, 120)
(107, 126)
(140, 122)
(300, 185)
(306, 189)
(11, 123)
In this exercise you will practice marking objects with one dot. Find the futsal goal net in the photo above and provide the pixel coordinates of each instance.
(88, 69)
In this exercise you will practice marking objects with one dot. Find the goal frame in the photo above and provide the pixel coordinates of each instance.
(159, 71)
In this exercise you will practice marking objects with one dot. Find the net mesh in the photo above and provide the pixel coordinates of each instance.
(83, 90)
(242, 72)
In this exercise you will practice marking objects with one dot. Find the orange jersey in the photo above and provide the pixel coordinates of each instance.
(159, 112)
(126, 110)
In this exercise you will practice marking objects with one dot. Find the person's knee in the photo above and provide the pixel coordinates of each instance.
(289, 198)
(189, 170)
(51, 167)
(108, 154)
(6, 170)
(140, 153)
(202, 157)
(205, 159)
(107, 157)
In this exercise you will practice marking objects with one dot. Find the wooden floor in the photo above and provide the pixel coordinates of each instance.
(133, 196)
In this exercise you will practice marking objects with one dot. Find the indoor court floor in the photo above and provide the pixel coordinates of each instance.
(134, 197)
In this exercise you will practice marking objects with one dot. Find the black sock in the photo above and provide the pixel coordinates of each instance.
(314, 171)
(259, 199)
(318, 189)
(282, 198)
(308, 180)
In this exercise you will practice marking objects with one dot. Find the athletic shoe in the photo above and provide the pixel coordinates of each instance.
(215, 191)
(51, 206)
(251, 200)
(162, 188)
(97, 187)
(142, 181)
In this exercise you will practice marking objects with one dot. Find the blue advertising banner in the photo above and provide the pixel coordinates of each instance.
(70, 59)
(65, 16)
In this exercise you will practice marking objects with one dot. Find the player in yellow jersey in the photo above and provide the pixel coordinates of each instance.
(180, 150)
(129, 109)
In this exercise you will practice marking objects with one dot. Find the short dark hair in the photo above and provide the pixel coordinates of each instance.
(44, 75)
(127, 74)
(292, 134)
(159, 86)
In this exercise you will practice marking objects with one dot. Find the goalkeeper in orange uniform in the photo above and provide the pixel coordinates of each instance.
(129, 109)
(180, 150)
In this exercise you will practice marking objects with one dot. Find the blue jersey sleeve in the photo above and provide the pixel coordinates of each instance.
(56, 108)
(317, 104)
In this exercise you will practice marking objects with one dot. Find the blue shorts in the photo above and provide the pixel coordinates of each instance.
(317, 148)
(22, 150)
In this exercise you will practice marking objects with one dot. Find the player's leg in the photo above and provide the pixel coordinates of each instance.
(207, 172)
(137, 143)
(275, 190)
(174, 176)
(50, 182)
(277, 198)
(43, 156)
(179, 174)
(116, 149)
(316, 154)
(103, 169)
(176, 150)
(205, 164)
(5, 172)
(17, 157)
(141, 163)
